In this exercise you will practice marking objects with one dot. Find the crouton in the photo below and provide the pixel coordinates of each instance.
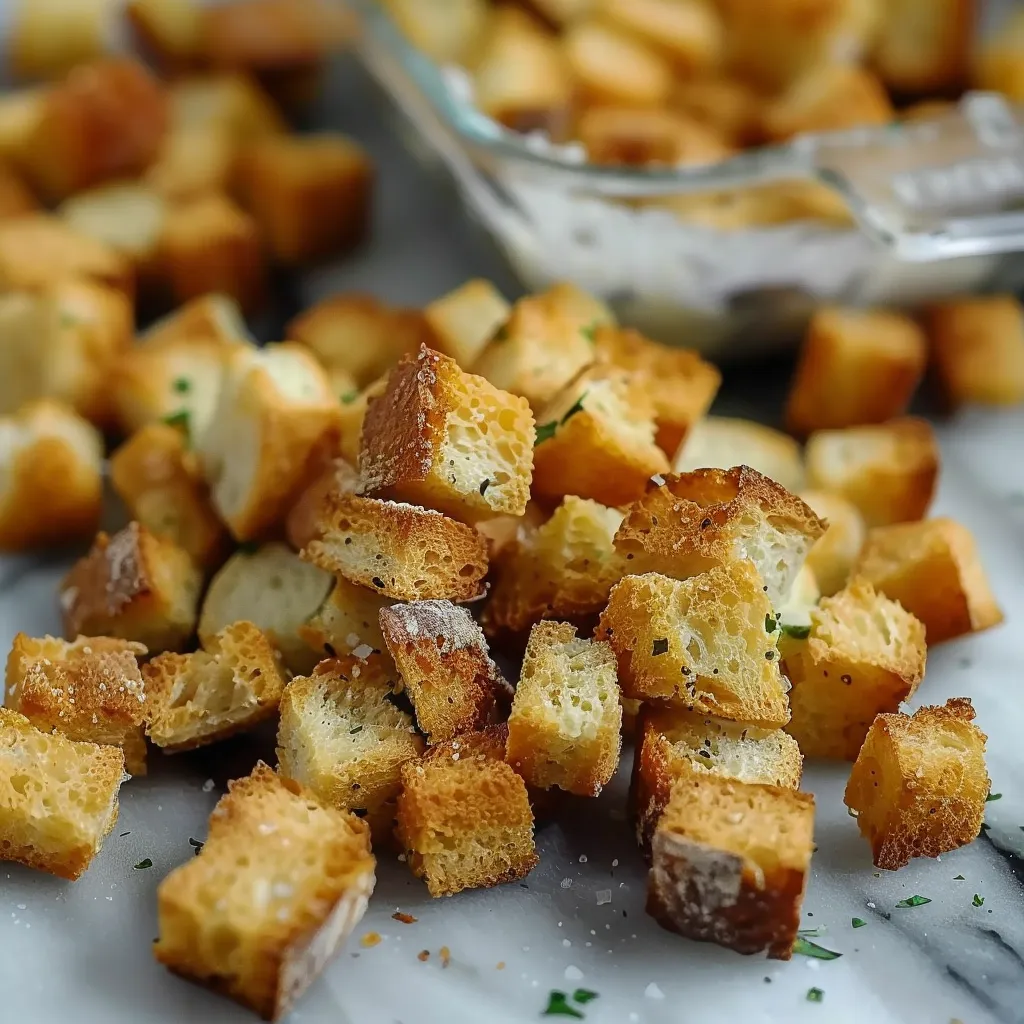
(58, 797)
(730, 862)
(447, 439)
(336, 476)
(464, 818)
(726, 105)
(933, 569)
(169, 31)
(503, 532)
(612, 67)
(353, 412)
(863, 655)
(228, 103)
(688, 33)
(348, 622)
(562, 569)
(672, 744)
(274, 409)
(566, 718)
(15, 197)
(721, 442)
(313, 865)
(919, 784)
(275, 590)
(134, 586)
(924, 46)
(50, 37)
(833, 555)
(856, 367)
(998, 64)
(707, 643)
(445, 667)
(229, 686)
(446, 31)
(213, 317)
(192, 162)
(52, 468)
(794, 615)
(686, 524)
(463, 321)
(20, 112)
(888, 471)
(977, 348)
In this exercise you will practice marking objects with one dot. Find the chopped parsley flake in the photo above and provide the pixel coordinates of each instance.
(545, 431)
(590, 331)
(182, 421)
(858, 922)
(796, 632)
(993, 796)
(558, 1006)
(182, 385)
(659, 646)
(123, 834)
(577, 406)
(958, 878)
(804, 947)
(978, 901)
(349, 397)
(355, 729)
(815, 995)
(770, 624)
(914, 901)
(143, 864)
(583, 996)
(484, 486)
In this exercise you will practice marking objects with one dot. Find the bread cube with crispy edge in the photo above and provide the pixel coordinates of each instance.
(335, 476)
(977, 348)
(595, 439)
(708, 643)
(447, 439)
(856, 366)
(229, 686)
(503, 532)
(690, 34)
(50, 37)
(168, 31)
(445, 31)
(58, 797)
(348, 622)
(933, 569)
(20, 111)
(192, 162)
(212, 317)
(564, 729)
(562, 569)
(610, 66)
(688, 523)
(52, 472)
(888, 471)
(134, 586)
(729, 863)
(833, 555)
(672, 744)
(464, 816)
(864, 655)
(446, 669)
(919, 784)
(267, 835)
(463, 321)
(925, 46)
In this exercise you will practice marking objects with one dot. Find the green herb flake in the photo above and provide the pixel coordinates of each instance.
(484, 486)
(815, 995)
(913, 901)
(583, 996)
(182, 385)
(978, 901)
(123, 834)
(349, 397)
(804, 947)
(355, 729)
(577, 406)
(858, 922)
(659, 647)
(182, 421)
(558, 1006)
(545, 431)
(143, 864)
(993, 796)
(958, 878)
(796, 632)
(770, 624)
(590, 331)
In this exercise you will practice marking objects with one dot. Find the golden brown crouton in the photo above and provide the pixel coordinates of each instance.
(50, 37)
(888, 471)
(313, 868)
(15, 197)
(213, 317)
(353, 412)
(90, 689)
(833, 555)
(58, 797)
(612, 67)
(445, 31)
(20, 112)
(335, 477)
(919, 784)
(856, 367)
(726, 105)
(192, 162)
(932, 568)
(445, 667)
(863, 655)
(168, 31)
(447, 439)
(730, 862)
(230, 102)
(924, 46)
(348, 622)
(688, 33)
(708, 643)
(135, 586)
(463, 321)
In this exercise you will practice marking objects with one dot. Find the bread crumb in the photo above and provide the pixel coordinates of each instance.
(446, 956)
(404, 918)
(653, 991)
(423, 955)
(370, 939)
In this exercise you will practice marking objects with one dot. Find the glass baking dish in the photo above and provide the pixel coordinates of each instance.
(937, 209)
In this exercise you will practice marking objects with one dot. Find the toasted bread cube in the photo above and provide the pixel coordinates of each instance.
(313, 865)
(463, 321)
(730, 862)
(274, 409)
(90, 689)
(229, 686)
(702, 643)
(447, 439)
(832, 556)
(502, 532)
(864, 655)
(612, 67)
(20, 112)
(856, 367)
(445, 666)
(58, 797)
(52, 468)
(672, 744)
(564, 729)
(192, 162)
(15, 197)
(919, 784)
(50, 37)
(275, 590)
(134, 586)
(464, 817)
(689, 33)
(721, 442)
(348, 622)
(446, 31)
(213, 317)
(170, 31)
(562, 569)
(933, 569)
(888, 471)
(336, 476)
(924, 46)
(686, 524)
(231, 103)
(728, 106)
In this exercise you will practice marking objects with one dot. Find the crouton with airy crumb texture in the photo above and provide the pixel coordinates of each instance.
(708, 643)
(933, 569)
(503, 532)
(192, 162)
(50, 37)
(888, 471)
(690, 34)
(231, 685)
(446, 669)
(268, 835)
(856, 366)
(335, 477)
(919, 784)
(833, 555)
(729, 863)
(610, 66)
(348, 622)
(794, 615)
(864, 655)
(134, 586)
(53, 477)
(58, 797)
(440, 437)
(463, 321)
(925, 46)
(596, 439)
(275, 590)
(168, 31)
(672, 743)
(564, 729)
(686, 524)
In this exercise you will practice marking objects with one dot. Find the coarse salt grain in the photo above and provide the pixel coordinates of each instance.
(573, 973)
(566, 883)
(567, 943)
(653, 992)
